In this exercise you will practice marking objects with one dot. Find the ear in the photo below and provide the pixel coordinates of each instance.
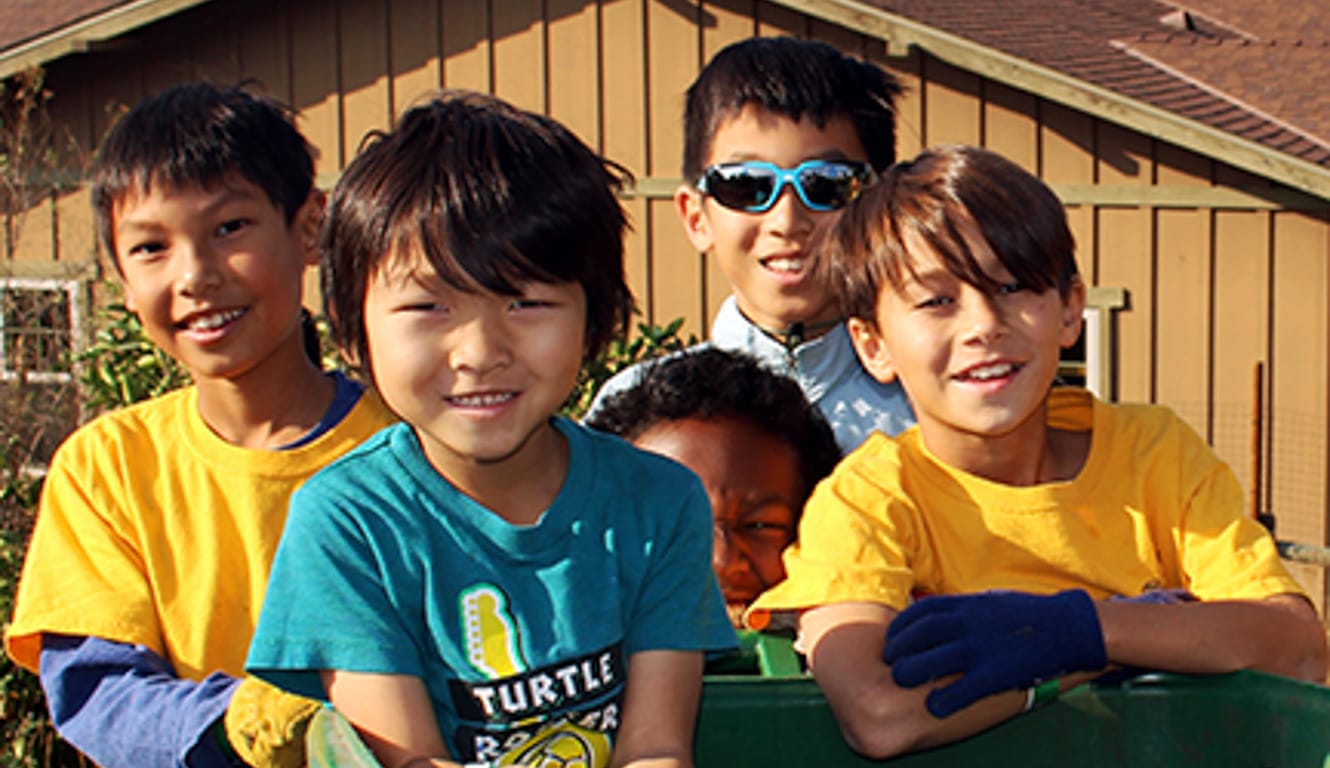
(872, 352)
(692, 212)
(308, 221)
(1073, 314)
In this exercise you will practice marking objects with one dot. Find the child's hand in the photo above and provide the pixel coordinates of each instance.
(266, 725)
(996, 641)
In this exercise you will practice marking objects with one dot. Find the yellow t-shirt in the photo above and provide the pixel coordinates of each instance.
(1153, 507)
(153, 530)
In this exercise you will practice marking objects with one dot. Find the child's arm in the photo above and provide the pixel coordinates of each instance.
(878, 718)
(1280, 634)
(660, 709)
(100, 691)
(392, 713)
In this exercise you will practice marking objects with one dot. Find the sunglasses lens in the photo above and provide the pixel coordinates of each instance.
(741, 187)
(830, 185)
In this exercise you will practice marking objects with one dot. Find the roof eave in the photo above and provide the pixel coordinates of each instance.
(79, 36)
(900, 32)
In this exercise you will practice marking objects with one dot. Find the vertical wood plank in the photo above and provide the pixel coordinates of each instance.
(414, 59)
(1298, 382)
(1240, 315)
(315, 90)
(775, 20)
(1183, 242)
(623, 119)
(574, 67)
(1125, 258)
(952, 97)
(466, 45)
(363, 56)
(1010, 128)
(910, 104)
(676, 272)
(265, 50)
(518, 30)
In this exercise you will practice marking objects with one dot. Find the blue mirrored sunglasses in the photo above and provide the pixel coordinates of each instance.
(755, 186)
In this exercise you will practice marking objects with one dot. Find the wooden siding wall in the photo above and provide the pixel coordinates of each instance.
(1212, 290)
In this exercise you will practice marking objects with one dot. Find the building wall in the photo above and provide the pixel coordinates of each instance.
(1222, 270)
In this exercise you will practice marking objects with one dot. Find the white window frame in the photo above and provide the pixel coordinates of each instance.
(1098, 330)
(73, 290)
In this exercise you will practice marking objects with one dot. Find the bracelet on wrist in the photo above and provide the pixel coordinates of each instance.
(1041, 695)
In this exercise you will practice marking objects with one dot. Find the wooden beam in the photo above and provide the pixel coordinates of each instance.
(84, 34)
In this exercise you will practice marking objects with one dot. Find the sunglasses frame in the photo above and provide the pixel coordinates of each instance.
(791, 176)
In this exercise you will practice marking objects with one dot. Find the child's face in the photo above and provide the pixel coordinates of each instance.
(215, 274)
(762, 254)
(974, 364)
(753, 480)
(478, 375)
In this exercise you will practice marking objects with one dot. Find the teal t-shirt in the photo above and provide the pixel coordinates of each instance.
(522, 634)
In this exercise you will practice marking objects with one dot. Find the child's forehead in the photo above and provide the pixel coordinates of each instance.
(756, 130)
(155, 188)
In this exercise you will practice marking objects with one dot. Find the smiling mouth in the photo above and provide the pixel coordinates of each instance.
(481, 400)
(210, 321)
(785, 264)
(988, 372)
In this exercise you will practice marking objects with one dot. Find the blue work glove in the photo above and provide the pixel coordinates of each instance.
(996, 641)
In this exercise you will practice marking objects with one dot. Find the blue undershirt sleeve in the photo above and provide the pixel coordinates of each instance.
(123, 705)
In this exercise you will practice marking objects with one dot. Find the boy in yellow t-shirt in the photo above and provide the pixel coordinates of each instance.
(1022, 514)
(158, 522)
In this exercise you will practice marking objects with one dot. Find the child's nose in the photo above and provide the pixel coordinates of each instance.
(199, 270)
(983, 319)
(789, 216)
(480, 345)
(727, 555)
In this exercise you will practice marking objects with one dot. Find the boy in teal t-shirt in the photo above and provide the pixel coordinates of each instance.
(487, 582)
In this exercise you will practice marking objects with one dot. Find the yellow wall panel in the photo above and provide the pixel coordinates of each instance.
(415, 63)
(314, 86)
(1241, 289)
(519, 53)
(265, 52)
(774, 21)
(363, 56)
(1298, 385)
(951, 103)
(466, 45)
(574, 67)
(1010, 128)
(623, 105)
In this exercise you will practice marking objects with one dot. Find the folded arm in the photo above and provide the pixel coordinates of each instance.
(124, 705)
(1280, 634)
(879, 718)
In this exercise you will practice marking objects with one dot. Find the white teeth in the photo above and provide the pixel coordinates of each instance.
(785, 264)
(991, 371)
(213, 321)
(478, 401)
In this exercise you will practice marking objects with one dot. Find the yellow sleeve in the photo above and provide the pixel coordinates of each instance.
(83, 574)
(855, 542)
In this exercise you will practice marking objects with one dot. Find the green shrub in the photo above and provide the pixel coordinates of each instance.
(122, 366)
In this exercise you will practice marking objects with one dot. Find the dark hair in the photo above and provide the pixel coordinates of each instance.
(195, 135)
(934, 196)
(491, 196)
(710, 383)
(794, 78)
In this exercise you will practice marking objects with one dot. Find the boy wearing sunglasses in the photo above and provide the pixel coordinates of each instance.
(778, 133)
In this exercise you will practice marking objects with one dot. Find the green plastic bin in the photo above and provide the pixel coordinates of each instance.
(1247, 719)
